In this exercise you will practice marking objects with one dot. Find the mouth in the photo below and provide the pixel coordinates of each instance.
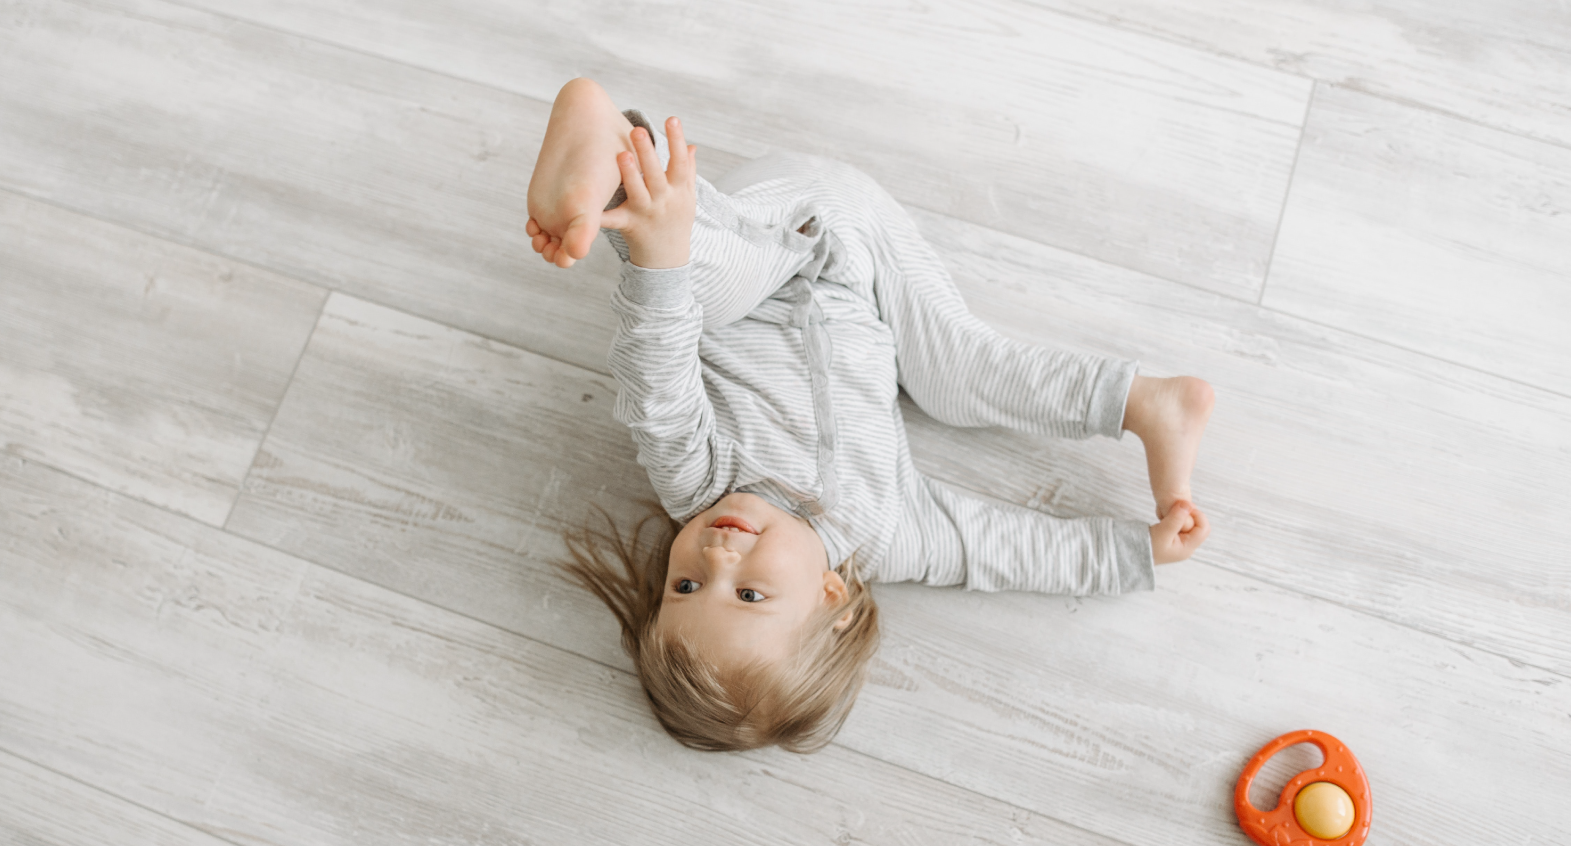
(736, 523)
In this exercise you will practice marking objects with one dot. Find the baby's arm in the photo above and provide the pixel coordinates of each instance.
(1179, 534)
(654, 352)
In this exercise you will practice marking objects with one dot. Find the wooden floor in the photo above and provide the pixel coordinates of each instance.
(291, 418)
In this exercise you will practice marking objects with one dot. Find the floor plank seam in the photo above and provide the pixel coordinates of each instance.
(118, 798)
(565, 651)
(633, 675)
(1159, 37)
(1352, 608)
(334, 45)
(284, 274)
(859, 753)
(511, 633)
(1410, 351)
(313, 562)
(1287, 195)
(549, 356)
(206, 250)
(1211, 51)
(1364, 613)
(288, 383)
(1314, 83)
(1436, 110)
(274, 271)
(166, 238)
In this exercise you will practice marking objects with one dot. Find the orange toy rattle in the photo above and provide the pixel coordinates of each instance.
(1328, 806)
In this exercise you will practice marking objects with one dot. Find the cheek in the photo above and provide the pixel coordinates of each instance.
(685, 545)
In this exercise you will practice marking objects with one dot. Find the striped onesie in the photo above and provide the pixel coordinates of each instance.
(771, 363)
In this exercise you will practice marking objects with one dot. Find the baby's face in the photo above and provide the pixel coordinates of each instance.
(744, 577)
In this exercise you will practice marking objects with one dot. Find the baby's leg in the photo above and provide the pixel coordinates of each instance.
(1169, 416)
(738, 257)
(964, 373)
(957, 368)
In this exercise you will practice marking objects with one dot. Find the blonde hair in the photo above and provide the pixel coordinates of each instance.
(798, 704)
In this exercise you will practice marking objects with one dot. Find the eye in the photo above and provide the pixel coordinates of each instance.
(750, 595)
(686, 585)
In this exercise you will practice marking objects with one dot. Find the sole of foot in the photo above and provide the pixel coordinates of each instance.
(576, 172)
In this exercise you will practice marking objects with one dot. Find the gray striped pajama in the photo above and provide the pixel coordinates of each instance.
(771, 364)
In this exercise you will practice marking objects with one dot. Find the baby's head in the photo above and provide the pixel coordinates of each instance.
(742, 634)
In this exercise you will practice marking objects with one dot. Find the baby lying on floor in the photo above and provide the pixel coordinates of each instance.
(766, 324)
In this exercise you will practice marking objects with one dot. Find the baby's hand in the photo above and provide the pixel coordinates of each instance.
(657, 218)
(1179, 534)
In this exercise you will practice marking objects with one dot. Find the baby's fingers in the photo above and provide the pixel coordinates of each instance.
(632, 178)
(1193, 538)
(1179, 534)
(679, 171)
(648, 160)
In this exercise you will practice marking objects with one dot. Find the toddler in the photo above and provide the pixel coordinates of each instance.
(765, 325)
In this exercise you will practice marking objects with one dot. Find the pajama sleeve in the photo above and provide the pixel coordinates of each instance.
(950, 537)
(661, 396)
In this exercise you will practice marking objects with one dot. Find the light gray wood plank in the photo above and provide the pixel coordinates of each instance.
(1335, 465)
(1431, 233)
(403, 186)
(1502, 63)
(1077, 709)
(1128, 148)
(147, 367)
(1375, 478)
(1133, 716)
(252, 695)
(444, 466)
(42, 807)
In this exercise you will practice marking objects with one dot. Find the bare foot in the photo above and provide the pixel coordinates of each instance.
(1169, 416)
(576, 173)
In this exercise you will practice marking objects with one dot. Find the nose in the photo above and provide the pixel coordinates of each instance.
(719, 556)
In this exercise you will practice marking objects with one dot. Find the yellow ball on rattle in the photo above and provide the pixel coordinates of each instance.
(1324, 810)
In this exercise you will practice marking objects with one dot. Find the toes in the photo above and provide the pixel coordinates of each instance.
(580, 235)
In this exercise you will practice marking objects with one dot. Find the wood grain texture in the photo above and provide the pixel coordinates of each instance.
(1503, 63)
(402, 186)
(1131, 149)
(249, 694)
(1073, 709)
(1333, 465)
(444, 466)
(1133, 716)
(1432, 234)
(374, 648)
(143, 366)
(42, 807)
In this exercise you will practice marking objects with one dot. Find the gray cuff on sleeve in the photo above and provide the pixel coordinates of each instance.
(664, 288)
(1136, 565)
(1109, 396)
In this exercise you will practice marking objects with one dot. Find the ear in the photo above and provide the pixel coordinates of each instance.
(836, 594)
